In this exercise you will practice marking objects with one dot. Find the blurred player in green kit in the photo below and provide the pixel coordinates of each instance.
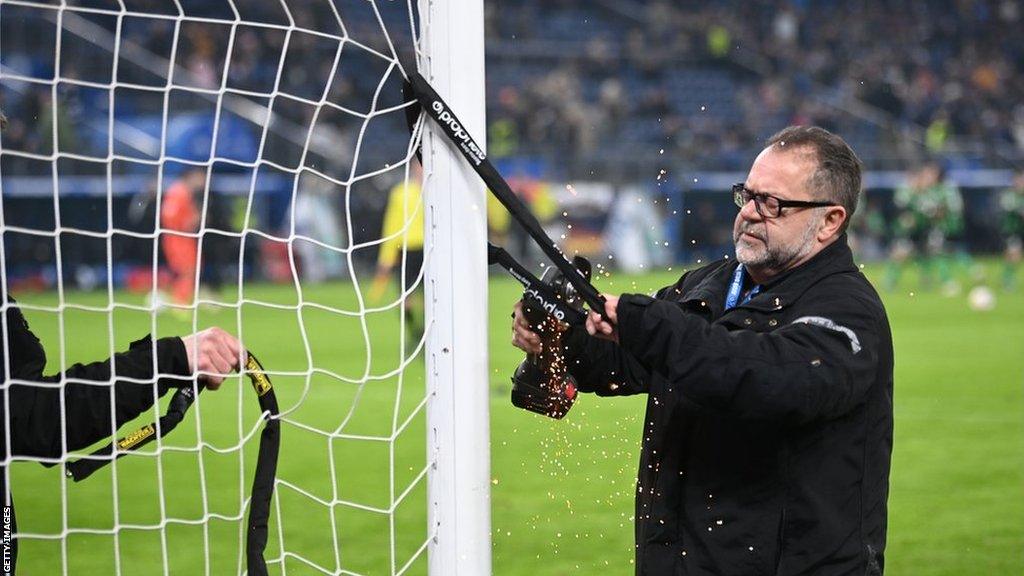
(930, 214)
(1011, 206)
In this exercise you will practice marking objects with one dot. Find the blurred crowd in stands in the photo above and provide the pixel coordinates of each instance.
(175, 68)
(628, 95)
(708, 81)
(700, 83)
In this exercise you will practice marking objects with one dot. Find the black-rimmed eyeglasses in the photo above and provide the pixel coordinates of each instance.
(769, 206)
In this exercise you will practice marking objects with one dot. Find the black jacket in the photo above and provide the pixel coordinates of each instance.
(768, 432)
(35, 419)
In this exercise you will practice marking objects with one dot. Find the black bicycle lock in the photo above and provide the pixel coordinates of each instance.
(266, 463)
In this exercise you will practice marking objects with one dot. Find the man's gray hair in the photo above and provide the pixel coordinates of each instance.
(838, 175)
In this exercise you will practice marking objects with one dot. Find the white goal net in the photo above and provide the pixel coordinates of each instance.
(172, 165)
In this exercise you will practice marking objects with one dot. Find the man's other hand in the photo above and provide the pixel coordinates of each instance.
(601, 328)
(523, 336)
(212, 354)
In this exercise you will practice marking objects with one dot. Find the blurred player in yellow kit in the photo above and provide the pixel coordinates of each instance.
(403, 226)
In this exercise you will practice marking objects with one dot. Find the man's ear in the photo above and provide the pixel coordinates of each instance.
(835, 217)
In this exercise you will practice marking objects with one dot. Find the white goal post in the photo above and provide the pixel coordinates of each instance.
(456, 290)
(385, 440)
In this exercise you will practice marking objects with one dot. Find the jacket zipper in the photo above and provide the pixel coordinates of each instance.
(781, 544)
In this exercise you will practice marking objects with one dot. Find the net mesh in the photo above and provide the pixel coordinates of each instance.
(287, 120)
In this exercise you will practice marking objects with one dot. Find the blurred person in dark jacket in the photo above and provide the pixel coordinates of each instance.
(768, 434)
(44, 417)
(48, 416)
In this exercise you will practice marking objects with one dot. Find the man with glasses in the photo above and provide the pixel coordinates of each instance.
(768, 433)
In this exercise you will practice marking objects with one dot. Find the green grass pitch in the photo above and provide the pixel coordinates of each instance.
(562, 491)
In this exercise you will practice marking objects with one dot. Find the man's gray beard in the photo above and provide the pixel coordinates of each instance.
(776, 258)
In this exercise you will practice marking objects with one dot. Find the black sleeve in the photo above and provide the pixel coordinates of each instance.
(602, 367)
(817, 367)
(36, 422)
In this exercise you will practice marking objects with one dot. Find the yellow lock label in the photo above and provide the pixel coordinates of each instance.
(260, 382)
(129, 441)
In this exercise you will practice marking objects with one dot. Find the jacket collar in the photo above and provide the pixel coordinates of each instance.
(783, 290)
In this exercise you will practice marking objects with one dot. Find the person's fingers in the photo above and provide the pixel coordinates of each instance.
(523, 335)
(529, 342)
(220, 363)
(223, 361)
(233, 350)
(534, 345)
(214, 359)
(213, 354)
(213, 382)
(612, 310)
(599, 327)
(525, 340)
(234, 353)
(519, 319)
(518, 343)
(610, 315)
(225, 344)
(526, 331)
(607, 327)
(522, 324)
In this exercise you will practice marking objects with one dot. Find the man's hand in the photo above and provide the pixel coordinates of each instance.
(601, 328)
(213, 354)
(523, 336)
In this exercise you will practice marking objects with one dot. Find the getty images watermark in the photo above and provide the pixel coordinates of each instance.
(7, 565)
